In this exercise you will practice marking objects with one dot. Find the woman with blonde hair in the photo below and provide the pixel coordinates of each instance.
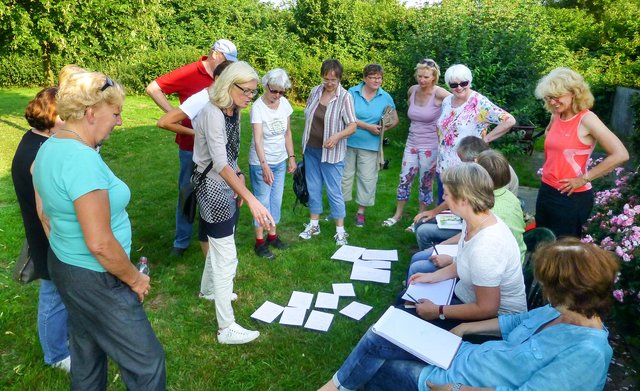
(83, 205)
(565, 198)
(223, 190)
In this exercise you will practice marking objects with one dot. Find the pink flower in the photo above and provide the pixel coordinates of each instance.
(587, 239)
(618, 295)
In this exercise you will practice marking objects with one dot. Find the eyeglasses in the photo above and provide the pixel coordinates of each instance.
(275, 91)
(375, 78)
(107, 83)
(330, 81)
(548, 99)
(461, 84)
(247, 91)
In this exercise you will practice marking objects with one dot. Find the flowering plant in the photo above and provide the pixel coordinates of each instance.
(615, 226)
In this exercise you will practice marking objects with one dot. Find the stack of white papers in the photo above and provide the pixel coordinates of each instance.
(370, 274)
(380, 255)
(440, 293)
(373, 264)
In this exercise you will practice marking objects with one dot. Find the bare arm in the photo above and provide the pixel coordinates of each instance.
(171, 121)
(502, 128)
(430, 214)
(483, 327)
(259, 212)
(486, 306)
(44, 220)
(447, 272)
(258, 139)
(155, 92)
(93, 212)
(394, 121)
(336, 137)
(288, 144)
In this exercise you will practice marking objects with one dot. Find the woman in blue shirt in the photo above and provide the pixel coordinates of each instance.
(562, 346)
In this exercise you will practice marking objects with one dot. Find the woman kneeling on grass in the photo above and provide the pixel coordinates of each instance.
(562, 346)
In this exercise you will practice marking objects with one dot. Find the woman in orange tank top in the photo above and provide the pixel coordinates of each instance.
(565, 197)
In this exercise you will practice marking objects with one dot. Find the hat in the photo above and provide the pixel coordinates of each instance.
(227, 48)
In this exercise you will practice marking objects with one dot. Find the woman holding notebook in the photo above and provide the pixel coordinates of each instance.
(562, 346)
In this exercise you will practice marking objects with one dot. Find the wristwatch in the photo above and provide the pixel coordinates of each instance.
(441, 312)
(456, 387)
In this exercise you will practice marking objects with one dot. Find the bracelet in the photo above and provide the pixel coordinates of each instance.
(292, 156)
(586, 178)
(238, 173)
(456, 387)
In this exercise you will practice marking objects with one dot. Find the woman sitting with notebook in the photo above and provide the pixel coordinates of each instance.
(488, 260)
(562, 346)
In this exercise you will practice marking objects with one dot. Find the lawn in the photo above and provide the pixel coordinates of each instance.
(293, 358)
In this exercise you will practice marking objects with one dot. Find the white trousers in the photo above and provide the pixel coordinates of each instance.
(219, 271)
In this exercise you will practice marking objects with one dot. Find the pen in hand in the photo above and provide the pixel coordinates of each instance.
(412, 298)
(435, 250)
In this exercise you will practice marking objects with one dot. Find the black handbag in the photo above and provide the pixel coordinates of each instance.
(300, 185)
(24, 270)
(188, 200)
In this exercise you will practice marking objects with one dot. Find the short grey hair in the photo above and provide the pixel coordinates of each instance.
(276, 78)
(458, 72)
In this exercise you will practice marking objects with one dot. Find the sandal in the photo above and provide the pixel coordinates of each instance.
(411, 228)
(390, 222)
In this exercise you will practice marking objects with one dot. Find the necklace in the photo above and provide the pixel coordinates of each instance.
(477, 227)
(78, 137)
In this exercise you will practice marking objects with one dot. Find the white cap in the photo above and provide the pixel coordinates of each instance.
(227, 48)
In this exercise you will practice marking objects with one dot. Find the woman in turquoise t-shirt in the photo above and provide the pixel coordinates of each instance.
(83, 210)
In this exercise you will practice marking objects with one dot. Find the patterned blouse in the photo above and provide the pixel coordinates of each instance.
(470, 119)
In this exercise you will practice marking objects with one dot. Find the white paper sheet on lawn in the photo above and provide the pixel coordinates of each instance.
(370, 274)
(348, 253)
(344, 289)
(374, 264)
(293, 316)
(300, 299)
(318, 320)
(268, 312)
(356, 310)
(380, 255)
(327, 300)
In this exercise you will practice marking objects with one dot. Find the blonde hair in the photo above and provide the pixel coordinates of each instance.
(237, 73)
(86, 89)
(67, 71)
(428, 63)
(562, 81)
(472, 183)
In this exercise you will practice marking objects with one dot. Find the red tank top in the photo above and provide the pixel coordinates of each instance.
(565, 156)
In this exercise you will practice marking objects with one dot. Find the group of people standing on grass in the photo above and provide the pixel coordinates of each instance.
(74, 207)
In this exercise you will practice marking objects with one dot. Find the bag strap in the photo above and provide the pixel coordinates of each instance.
(204, 173)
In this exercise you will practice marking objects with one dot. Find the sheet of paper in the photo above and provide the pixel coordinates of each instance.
(439, 293)
(268, 312)
(447, 249)
(293, 316)
(374, 264)
(318, 320)
(448, 221)
(327, 300)
(344, 289)
(356, 310)
(370, 274)
(300, 300)
(380, 255)
(348, 253)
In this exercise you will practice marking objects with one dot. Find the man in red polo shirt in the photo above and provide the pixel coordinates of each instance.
(186, 81)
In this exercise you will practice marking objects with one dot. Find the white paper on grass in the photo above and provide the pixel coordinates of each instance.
(344, 289)
(348, 253)
(268, 312)
(293, 316)
(300, 299)
(370, 274)
(374, 264)
(327, 300)
(356, 310)
(318, 320)
(380, 255)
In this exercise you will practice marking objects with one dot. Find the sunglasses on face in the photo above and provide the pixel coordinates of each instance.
(248, 92)
(461, 84)
(107, 83)
(274, 92)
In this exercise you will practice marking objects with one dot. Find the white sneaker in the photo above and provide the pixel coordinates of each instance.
(64, 364)
(236, 335)
(309, 231)
(341, 238)
(211, 297)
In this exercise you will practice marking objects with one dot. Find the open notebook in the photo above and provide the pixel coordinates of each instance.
(429, 343)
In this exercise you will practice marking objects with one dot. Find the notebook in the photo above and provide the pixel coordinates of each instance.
(440, 293)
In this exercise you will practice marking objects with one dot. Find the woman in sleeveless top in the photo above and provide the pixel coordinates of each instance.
(565, 198)
(421, 150)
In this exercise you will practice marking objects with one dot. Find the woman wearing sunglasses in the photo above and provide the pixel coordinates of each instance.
(271, 154)
(565, 198)
(465, 113)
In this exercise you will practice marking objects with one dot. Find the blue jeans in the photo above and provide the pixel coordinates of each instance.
(371, 355)
(269, 196)
(420, 263)
(428, 234)
(327, 174)
(52, 323)
(183, 228)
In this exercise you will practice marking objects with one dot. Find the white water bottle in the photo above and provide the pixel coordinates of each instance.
(143, 265)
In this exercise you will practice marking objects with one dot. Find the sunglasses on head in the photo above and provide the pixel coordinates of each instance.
(429, 63)
(107, 83)
(461, 84)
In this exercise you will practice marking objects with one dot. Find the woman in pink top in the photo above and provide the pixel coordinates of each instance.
(565, 197)
(421, 150)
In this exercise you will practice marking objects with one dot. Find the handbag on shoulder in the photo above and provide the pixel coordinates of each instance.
(187, 200)
(385, 121)
(24, 270)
